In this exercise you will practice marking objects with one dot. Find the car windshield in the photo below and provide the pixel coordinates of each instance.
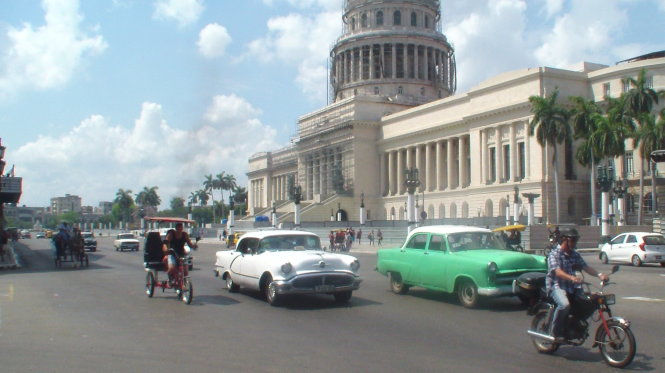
(474, 241)
(87, 235)
(654, 240)
(126, 236)
(289, 242)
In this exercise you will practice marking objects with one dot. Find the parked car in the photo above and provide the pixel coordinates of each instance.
(635, 248)
(126, 241)
(40, 235)
(472, 262)
(25, 234)
(89, 241)
(284, 262)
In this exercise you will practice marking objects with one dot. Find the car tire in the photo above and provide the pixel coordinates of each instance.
(467, 293)
(396, 284)
(636, 261)
(270, 290)
(603, 258)
(343, 297)
(231, 286)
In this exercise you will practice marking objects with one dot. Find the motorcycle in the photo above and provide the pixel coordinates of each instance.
(613, 336)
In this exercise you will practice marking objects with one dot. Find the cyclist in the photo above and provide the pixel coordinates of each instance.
(175, 244)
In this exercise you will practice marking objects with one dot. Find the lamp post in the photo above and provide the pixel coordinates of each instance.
(232, 215)
(362, 208)
(605, 179)
(507, 210)
(620, 189)
(531, 197)
(339, 211)
(296, 197)
(411, 183)
(516, 205)
(274, 215)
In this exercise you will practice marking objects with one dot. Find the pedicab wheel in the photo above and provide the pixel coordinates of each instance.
(618, 348)
(187, 291)
(540, 324)
(396, 284)
(343, 297)
(467, 293)
(150, 284)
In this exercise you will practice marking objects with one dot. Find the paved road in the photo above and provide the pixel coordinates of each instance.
(99, 320)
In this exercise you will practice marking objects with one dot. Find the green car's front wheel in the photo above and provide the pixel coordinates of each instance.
(467, 292)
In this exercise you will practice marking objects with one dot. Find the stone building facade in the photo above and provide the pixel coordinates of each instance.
(395, 108)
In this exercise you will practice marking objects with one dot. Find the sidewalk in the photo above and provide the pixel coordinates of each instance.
(10, 256)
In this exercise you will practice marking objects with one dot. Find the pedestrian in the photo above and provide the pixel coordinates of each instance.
(370, 237)
(379, 236)
(359, 235)
(331, 238)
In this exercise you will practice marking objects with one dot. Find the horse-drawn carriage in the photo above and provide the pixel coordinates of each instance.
(70, 248)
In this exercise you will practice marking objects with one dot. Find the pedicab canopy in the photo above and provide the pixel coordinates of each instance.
(508, 228)
(163, 219)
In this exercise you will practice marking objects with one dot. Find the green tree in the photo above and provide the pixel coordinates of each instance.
(203, 197)
(550, 124)
(649, 136)
(148, 197)
(193, 198)
(178, 207)
(583, 126)
(209, 186)
(639, 101)
(125, 203)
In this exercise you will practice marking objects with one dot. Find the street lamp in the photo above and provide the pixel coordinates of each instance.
(274, 215)
(516, 205)
(362, 208)
(620, 190)
(296, 196)
(605, 179)
(411, 183)
(531, 197)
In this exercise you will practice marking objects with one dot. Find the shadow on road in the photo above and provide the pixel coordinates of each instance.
(503, 304)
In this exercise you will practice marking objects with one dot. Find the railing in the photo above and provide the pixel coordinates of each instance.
(10, 184)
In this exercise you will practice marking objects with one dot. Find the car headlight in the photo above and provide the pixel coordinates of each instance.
(355, 265)
(287, 268)
(491, 271)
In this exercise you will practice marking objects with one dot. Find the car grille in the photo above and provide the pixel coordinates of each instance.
(329, 279)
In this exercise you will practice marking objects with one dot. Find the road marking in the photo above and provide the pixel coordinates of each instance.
(10, 294)
(644, 299)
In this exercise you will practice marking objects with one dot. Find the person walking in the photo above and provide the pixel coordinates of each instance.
(379, 236)
(370, 237)
(359, 235)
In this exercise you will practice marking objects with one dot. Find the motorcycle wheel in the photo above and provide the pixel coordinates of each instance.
(618, 348)
(540, 323)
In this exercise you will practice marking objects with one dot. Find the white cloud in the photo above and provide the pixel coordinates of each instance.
(96, 158)
(301, 41)
(213, 40)
(586, 32)
(184, 12)
(303, 4)
(661, 4)
(553, 7)
(481, 32)
(47, 56)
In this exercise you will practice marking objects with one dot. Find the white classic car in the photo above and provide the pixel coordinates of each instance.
(126, 241)
(283, 262)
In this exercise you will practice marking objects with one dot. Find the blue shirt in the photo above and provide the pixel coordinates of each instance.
(565, 261)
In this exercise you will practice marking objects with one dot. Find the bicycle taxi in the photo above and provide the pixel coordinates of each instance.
(153, 262)
(512, 236)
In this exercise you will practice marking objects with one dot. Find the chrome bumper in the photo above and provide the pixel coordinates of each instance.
(499, 290)
(320, 283)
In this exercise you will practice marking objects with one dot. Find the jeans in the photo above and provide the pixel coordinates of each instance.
(562, 310)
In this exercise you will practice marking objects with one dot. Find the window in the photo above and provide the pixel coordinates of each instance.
(417, 242)
(376, 90)
(628, 163)
(363, 21)
(400, 90)
(631, 239)
(606, 90)
(521, 156)
(492, 165)
(617, 240)
(379, 18)
(414, 19)
(422, 91)
(397, 18)
(426, 21)
(647, 202)
(436, 243)
(353, 23)
(649, 82)
(625, 86)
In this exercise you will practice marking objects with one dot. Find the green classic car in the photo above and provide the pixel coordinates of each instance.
(470, 261)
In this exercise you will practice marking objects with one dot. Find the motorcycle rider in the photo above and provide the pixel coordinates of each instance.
(562, 284)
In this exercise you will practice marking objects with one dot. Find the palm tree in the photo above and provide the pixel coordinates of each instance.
(209, 186)
(193, 199)
(550, 124)
(639, 100)
(219, 183)
(649, 136)
(148, 197)
(124, 200)
(583, 126)
(203, 197)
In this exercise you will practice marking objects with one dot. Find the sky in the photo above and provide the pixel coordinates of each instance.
(102, 95)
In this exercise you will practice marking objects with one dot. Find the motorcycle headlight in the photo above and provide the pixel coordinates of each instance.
(287, 268)
(491, 271)
(355, 265)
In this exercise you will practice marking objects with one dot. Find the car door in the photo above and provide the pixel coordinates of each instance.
(432, 265)
(412, 253)
(628, 247)
(614, 248)
(240, 262)
(253, 263)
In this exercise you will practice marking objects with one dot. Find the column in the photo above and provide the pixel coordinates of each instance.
(382, 174)
(439, 165)
(513, 152)
(371, 61)
(461, 162)
(527, 150)
(321, 174)
(415, 62)
(400, 171)
(315, 175)
(450, 162)
(428, 166)
(501, 175)
(409, 158)
(426, 56)
(394, 62)
(391, 173)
